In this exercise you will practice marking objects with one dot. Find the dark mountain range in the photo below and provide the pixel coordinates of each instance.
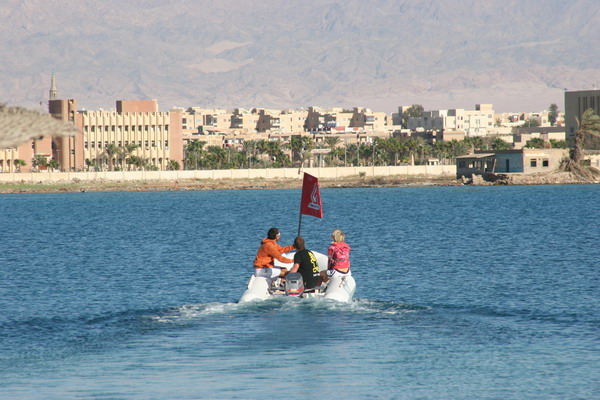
(518, 55)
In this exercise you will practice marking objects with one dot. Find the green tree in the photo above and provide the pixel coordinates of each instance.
(127, 151)
(531, 123)
(474, 143)
(441, 150)
(535, 143)
(173, 165)
(93, 163)
(274, 150)
(194, 153)
(416, 110)
(39, 162)
(249, 150)
(112, 152)
(552, 114)
(499, 144)
(302, 146)
(53, 164)
(334, 151)
(215, 157)
(415, 147)
(139, 163)
(458, 148)
(18, 163)
(558, 144)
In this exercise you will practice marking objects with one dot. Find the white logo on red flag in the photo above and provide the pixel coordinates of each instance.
(315, 199)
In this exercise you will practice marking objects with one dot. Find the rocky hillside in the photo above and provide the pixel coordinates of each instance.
(518, 55)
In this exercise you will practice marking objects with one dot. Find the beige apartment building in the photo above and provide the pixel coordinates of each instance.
(476, 122)
(157, 135)
(10, 158)
(338, 120)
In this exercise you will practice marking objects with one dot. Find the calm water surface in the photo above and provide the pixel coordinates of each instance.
(463, 293)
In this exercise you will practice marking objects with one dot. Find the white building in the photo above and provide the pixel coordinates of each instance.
(476, 122)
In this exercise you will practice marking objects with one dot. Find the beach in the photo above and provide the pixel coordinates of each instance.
(357, 181)
(223, 184)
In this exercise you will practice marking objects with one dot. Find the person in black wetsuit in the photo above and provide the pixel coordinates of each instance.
(306, 264)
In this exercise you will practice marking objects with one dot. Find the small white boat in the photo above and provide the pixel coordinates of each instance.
(340, 287)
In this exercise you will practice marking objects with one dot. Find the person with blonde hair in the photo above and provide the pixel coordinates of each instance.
(338, 254)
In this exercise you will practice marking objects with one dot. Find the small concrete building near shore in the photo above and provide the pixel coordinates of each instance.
(523, 161)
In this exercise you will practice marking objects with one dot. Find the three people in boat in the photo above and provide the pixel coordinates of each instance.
(269, 251)
(304, 260)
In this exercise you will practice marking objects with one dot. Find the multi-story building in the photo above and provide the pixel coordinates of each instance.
(340, 120)
(576, 102)
(11, 158)
(157, 135)
(473, 122)
(244, 121)
(44, 147)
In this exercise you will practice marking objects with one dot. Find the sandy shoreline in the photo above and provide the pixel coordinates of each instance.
(222, 184)
(558, 178)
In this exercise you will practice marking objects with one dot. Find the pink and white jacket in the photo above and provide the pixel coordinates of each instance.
(339, 255)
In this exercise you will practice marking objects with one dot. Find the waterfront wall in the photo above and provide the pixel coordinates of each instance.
(264, 173)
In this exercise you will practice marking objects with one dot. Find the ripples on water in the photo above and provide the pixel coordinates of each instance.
(462, 293)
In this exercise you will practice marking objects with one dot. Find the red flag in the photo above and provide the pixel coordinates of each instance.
(311, 197)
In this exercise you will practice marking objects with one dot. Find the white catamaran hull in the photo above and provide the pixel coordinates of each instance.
(341, 287)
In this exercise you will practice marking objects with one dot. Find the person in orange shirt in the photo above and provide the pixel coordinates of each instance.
(269, 251)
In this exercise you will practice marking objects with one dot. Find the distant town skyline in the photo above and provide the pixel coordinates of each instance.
(519, 56)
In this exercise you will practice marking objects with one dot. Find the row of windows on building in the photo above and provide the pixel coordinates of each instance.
(147, 144)
(534, 162)
(125, 128)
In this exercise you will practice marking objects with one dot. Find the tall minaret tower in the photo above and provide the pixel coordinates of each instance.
(53, 90)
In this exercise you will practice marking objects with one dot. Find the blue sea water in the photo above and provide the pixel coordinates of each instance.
(462, 293)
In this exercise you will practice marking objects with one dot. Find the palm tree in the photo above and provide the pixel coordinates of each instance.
(216, 156)
(352, 154)
(173, 165)
(332, 143)
(249, 149)
(19, 163)
(277, 156)
(414, 145)
(441, 150)
(91, 163)
(499, 144)
(589, 125)
(475, 143)
(112, 150)
(194, 151)
(458, 148)
(395, 147)
(302, 147)
(127, 151)
(53, 164)
(139, 162)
